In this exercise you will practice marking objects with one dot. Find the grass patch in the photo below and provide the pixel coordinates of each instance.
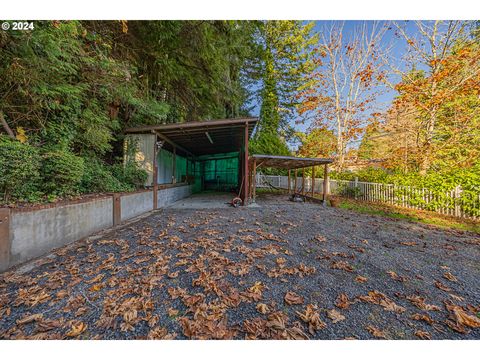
(420, 216)
(266, 191)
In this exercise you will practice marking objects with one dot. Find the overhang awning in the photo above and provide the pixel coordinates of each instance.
(203, 137)
(286, 162)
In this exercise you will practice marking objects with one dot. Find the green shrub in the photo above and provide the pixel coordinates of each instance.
(61, 172)
(19, 169)
(98, 177)
(130, 174)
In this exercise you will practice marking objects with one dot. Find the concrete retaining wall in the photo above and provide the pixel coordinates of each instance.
(26, 234)
(170, 195)
(34, 233)
(136, 204)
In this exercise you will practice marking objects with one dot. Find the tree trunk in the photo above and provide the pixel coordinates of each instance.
(340, 152)
(427, 146)
(5, 126)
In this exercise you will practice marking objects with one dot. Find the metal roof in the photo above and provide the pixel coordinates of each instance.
(203, 137)
(287, 162)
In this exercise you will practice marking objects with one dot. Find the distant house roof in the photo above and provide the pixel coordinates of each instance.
(203, 137)
(287, 162)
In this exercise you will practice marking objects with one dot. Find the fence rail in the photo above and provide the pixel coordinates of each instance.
(454, 202)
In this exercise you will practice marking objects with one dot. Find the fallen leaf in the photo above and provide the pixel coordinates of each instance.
(361, 279)
(173, 275)
(423, 317)
(376, 332)
(173, 312)
(96, 287)
(159, 333)
(456, 297)
(423, 335)
(342, 265)
(464, 318)
(62, 293)
(293, 299)
(395, 276)
(441, 286)
(342, 301)
(312, 318)
(130, 315)
(262, 308)
(335, 315)
(376, 297)
(77, 328)
(29, 319)
(449, 276)
(257, 288)
(419, 302)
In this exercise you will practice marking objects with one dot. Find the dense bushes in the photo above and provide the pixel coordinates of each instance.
(28, 174)
(130, 173)
(99, 177)
(19, 168)
(61, 172)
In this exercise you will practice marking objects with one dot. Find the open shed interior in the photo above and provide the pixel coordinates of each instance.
(210, 155)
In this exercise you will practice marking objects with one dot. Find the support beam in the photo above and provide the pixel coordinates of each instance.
(245, 164)
(174, 145)
(254, 179)
(295, 183)
(303, 181)
(117, 210)
(289, 181)
(155, 173)
(313, 181)
(325, 185)
(174, 165)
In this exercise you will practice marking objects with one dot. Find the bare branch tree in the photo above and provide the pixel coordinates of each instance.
(348, 77)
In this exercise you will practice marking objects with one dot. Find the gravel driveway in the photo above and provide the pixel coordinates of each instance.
(282, 270)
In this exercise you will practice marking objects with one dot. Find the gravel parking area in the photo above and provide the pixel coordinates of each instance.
(281, 270)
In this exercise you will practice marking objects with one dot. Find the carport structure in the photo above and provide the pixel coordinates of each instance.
(290, 163)
(210, 155)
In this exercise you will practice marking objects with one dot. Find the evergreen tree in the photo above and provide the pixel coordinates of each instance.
(286, 47)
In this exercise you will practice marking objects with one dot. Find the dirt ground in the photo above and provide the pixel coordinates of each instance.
(281, 270)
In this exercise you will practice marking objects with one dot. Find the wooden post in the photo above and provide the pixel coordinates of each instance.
(117, 210)
(5, 238)
(174, 167)
(254, 179)
(295, 183)
(155, 174)
(303, 181)
(325, 185)
(254, 185)
(245, 164)
(313, 181)
(289, 181)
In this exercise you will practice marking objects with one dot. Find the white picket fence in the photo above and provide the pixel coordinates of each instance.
(453, 202)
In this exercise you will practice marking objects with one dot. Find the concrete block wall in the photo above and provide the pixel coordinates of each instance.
(26, 234)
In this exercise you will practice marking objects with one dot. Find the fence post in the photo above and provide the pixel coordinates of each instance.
(356, 185)
(458, 193)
